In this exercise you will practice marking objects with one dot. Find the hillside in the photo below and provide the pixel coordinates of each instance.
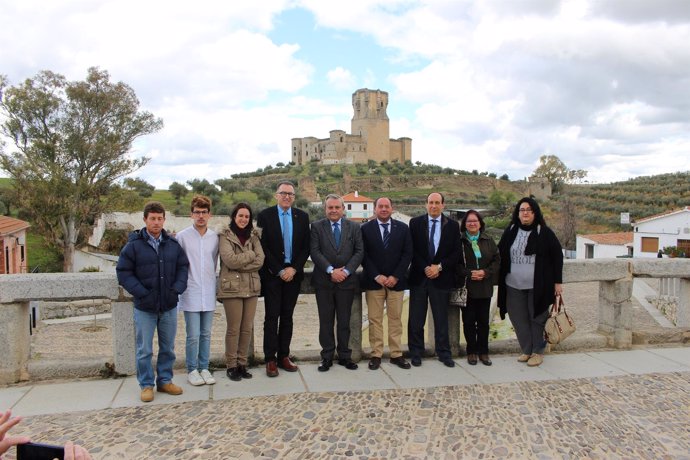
(599, 205)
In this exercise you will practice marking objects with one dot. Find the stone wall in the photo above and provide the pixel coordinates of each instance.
(70, 308)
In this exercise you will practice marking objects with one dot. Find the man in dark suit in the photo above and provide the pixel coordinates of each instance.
(337, 251)
(436, 243)
(387, 255)
(285, 241)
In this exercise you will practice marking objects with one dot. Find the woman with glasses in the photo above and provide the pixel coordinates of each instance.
(531, 275)
(241, 257)
(478, 268)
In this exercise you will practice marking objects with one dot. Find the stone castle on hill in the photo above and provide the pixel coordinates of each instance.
(369, 139)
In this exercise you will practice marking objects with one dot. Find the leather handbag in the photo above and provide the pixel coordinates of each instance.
(559, 325)
(458, 296)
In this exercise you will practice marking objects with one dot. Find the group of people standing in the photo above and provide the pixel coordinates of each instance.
(431, 256)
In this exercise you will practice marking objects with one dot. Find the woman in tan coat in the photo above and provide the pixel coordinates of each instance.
(241, 258)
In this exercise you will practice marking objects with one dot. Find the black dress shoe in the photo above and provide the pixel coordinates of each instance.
(348, 364)
(325, 365)
(485, 360)
(400, 362)
(244, 372)
(416, 361)
(234, 374)
(374, 363)
(472, 359)
(448, 362)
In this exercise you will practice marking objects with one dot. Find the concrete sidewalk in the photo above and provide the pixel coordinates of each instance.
(89, 395)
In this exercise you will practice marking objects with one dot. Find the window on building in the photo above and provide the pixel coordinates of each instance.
(589, 251)
(349, 207)
(684, 245)
(364, 206)
(650, 244)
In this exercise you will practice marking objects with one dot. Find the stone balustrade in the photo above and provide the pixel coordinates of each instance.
(615, 277)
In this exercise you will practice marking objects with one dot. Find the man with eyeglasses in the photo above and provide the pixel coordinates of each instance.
(198, 302)
(285, 240)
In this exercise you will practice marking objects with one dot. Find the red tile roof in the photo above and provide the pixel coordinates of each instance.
(10, 225)
(663, 214)
(614, 239)
(350, 197)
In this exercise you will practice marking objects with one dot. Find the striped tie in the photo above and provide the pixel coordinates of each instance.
(386, 236)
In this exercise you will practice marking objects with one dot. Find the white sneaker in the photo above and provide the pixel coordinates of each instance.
(195, 379)
(208, 377)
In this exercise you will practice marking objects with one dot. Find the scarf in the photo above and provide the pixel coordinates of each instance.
(475, 244)
(242, 233)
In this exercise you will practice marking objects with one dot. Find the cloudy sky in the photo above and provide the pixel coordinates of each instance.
(486, 85)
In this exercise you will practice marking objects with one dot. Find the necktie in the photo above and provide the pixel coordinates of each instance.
(336, 234)
(432, 246)
(287, 237)
(386, 236)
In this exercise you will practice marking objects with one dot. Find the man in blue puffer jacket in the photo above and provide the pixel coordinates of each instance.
(153, 268)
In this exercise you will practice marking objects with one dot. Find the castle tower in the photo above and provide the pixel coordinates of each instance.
(370, 121)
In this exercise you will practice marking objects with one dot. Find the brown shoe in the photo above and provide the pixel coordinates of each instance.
(535, 360)
(272, 369)
(287, 365)
(523, 358)
(485, 360)
(147, 394)
(170, 388)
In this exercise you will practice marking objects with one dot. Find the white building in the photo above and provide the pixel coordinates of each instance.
(657, 232)
(604, 245)
(358, 207)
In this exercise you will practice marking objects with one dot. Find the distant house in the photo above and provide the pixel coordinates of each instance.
(13, 258)
(604, 245)
(653, 233)
(358, 207)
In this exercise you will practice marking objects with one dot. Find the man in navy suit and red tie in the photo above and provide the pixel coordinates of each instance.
(285, 241)
(436, 243)
(387, 255)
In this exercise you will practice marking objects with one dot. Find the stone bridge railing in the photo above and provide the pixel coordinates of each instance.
(615, 277)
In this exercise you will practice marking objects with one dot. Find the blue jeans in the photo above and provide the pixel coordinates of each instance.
(145, 324)
(198, 345)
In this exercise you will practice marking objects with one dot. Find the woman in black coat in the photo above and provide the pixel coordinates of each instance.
(478, 267)
(531, 275)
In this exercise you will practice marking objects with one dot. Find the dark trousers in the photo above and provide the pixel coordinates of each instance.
(475, 325)
(438, 298)
(335, 309)
(279, 300)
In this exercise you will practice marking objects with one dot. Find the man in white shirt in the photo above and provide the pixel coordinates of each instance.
(198, 302)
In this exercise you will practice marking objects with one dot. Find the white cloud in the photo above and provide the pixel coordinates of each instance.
(341, 79)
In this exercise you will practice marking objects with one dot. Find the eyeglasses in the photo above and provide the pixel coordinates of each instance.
(290, 194)
(200, 213)
(527, 210)
(471, 221)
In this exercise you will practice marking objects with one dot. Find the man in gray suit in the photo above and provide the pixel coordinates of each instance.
(336, 250)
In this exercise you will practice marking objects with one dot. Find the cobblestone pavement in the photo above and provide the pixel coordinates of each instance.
(628, 417)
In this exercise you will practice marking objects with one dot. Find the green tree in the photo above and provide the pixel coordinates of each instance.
(178, 191)
(556, 172)
(229, 186)
(503, 202)
(204, 187)
(8, 199)
(140, 186)
(72, 141)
